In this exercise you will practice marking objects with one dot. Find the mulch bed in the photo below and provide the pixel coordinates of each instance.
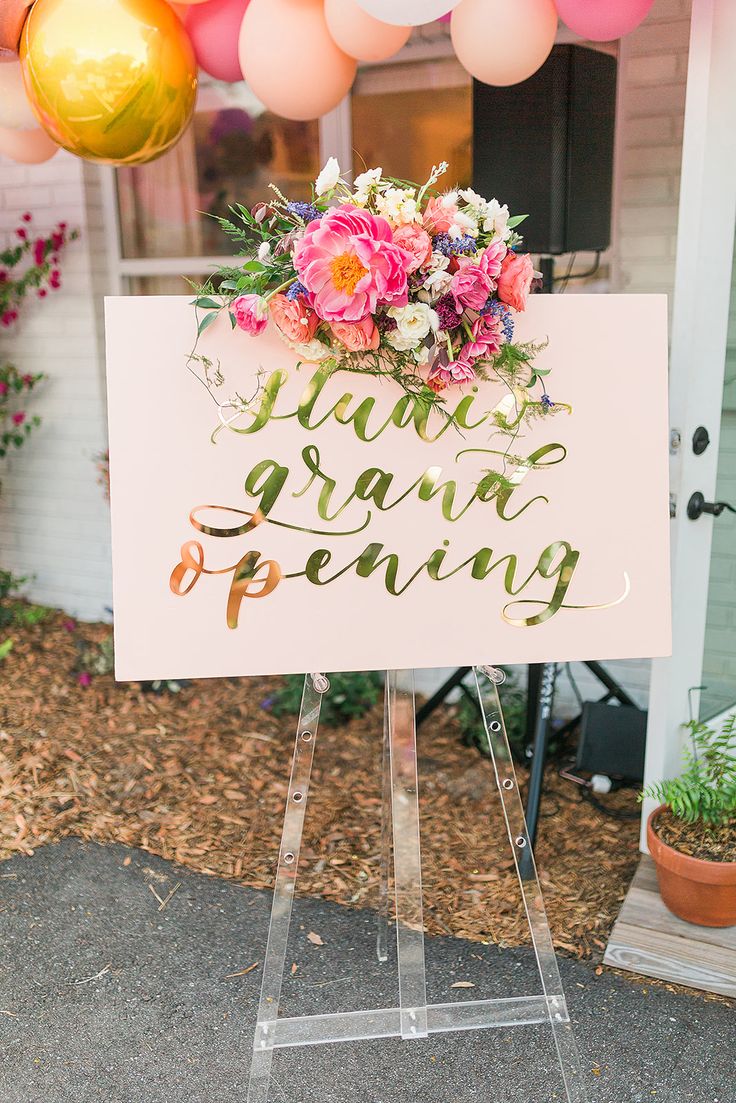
(200, 778)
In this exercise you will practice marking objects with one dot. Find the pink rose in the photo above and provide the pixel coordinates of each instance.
(251, 314)
(416, 242)
(440, 213)
(349, 265)
(470, 287)
(487, 333)
(443, 375)
(517, 273)
(357, 336)
(293, 318)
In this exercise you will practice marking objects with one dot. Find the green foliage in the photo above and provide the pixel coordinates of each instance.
(350, 695)
(705, 792)
(513, 702)
(5, 648)
(97, 658)
(15, 425)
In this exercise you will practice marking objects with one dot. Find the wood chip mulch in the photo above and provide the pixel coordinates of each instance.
(200, 778)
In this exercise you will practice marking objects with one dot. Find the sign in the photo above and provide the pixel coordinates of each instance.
(272, 518)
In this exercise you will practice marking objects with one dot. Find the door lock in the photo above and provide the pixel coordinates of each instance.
(698, 505)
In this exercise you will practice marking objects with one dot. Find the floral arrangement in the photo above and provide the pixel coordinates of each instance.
(38, 257)
(387, 277)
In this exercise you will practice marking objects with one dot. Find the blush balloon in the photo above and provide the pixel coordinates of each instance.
(601, 20)
(214, 28)
(408, 13)
(503, 42)
(299, 72)
(13, 14)
(28, 147)
(16, 112)
(359, 34)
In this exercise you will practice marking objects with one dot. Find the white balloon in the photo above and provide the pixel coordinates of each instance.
(15, 110)
(407, 13)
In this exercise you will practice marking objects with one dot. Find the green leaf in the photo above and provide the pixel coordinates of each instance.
(253, 266)
(206, 322)
(205, 303)
(516, 220)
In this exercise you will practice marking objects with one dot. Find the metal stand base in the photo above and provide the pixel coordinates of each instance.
(413, 1018)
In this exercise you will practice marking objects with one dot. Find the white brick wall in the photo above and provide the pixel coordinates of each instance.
(54, 521)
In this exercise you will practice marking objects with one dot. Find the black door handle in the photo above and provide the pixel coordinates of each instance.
(698, 505)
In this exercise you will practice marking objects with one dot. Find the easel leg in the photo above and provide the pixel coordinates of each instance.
(407, 854)
(385, 857)
(283, 896)
(487, 680)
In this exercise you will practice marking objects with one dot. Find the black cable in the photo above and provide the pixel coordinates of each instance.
(612, 813)
(569, 275)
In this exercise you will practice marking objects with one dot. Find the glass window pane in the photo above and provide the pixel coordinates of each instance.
(231, 152)
(408, 116)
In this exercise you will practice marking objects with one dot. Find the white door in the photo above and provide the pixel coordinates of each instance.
(700, 678)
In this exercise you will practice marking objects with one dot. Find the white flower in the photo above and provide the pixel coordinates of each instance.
(437, 283)
(421, 355)
(328, 178)
(313, 351)
(473, 199)
(495, 220)
(463, 223)
(264, 251)
(398, 205)
(413, 323)
(362, 185)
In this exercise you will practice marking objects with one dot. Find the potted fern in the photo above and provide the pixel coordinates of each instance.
(692, 834)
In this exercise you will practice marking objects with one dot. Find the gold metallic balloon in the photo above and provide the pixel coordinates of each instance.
(113, 81)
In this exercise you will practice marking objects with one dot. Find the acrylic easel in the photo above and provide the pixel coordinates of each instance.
(413, 1018)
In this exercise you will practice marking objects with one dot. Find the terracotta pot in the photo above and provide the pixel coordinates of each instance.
(13, 14)
(695, 890)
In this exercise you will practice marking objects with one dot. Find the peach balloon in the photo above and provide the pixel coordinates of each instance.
(16, 112)
(503, 42)
(29, 147)
(359, 34)
(13, 14)
(290, 60)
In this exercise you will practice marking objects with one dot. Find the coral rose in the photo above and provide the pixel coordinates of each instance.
(251, 314)
(293, 318)
(517, 273)
(357, 336)
(349, 264)
(417, 243)
(441, 213)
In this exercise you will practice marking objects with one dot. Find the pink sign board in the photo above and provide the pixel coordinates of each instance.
(270, 517)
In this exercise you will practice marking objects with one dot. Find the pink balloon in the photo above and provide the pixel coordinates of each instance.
(28, 147)
(445, 18)
(359, 34)
(290, 60)
(503, 42)
(214, 28)
(602, 20)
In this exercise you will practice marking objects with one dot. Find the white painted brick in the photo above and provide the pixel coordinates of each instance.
(649, 69)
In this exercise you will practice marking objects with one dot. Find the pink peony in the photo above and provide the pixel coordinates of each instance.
(517, 273)
(357, 336)
(470, 286)
(487, 333)
(457, 371)
(417, 243)
(293, 318)
(251, 314)
(440, 213)
(491, 259)
(349, 264)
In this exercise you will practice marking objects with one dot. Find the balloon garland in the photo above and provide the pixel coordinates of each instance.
(116, 82)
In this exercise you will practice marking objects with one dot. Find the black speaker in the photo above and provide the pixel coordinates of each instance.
(545, 147)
